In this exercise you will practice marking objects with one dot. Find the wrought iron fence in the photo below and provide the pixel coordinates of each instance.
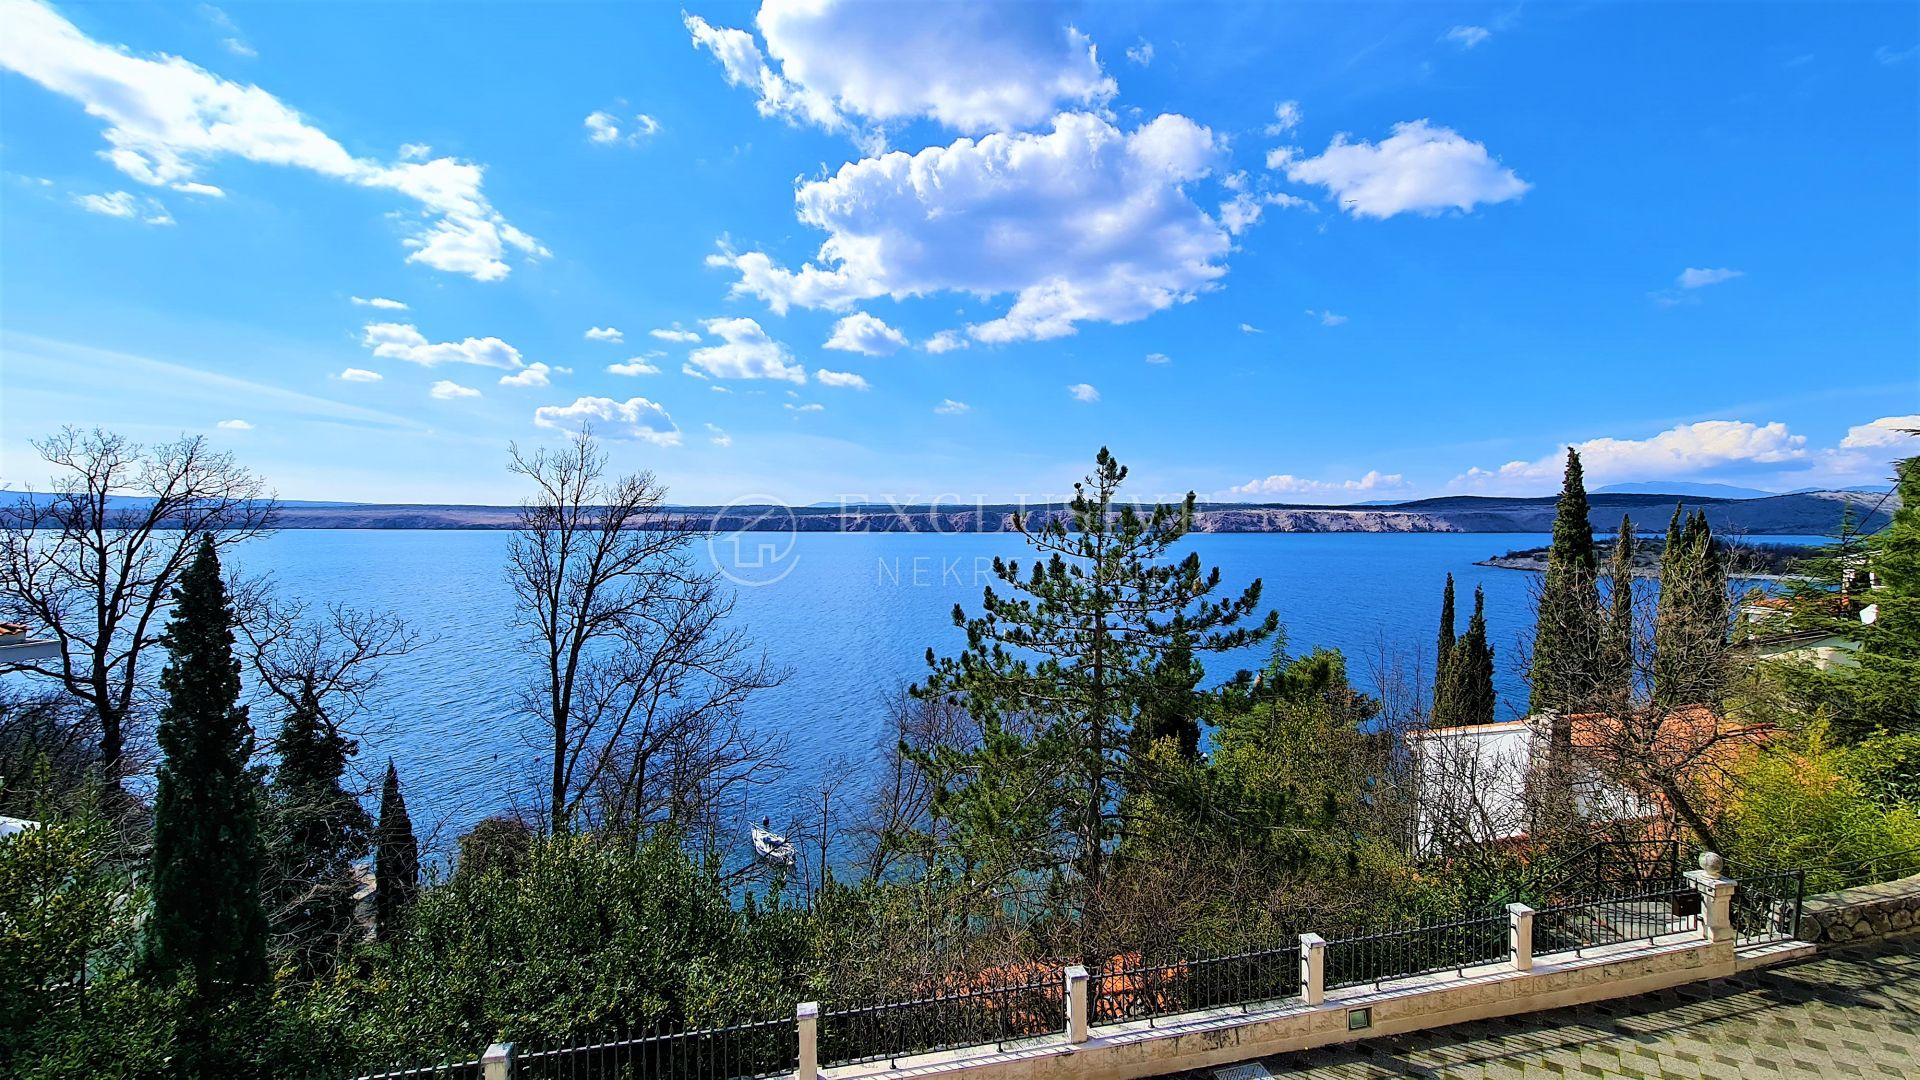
(761, 1048)
(1118, 993)
(1421, 949)
(1767, 903)
(888, 1031)
(1616, 917)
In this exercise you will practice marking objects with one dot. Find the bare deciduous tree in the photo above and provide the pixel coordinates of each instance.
(642, 685)
(93, 562)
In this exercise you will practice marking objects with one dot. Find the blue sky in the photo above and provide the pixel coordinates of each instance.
(1313, 253)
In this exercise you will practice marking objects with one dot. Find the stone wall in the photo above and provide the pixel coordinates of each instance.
(1867, 911)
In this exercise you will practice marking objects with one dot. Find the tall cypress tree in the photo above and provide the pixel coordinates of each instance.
(1690, 623)
(1616, 640)
(396, 859)
(316, 830)
(207, 921)
(1446, 633)
(1465, 693)
(1566, 634)
(1446, 696)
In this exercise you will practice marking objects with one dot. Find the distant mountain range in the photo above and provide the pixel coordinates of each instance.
(1811, 513)
(1719, 491)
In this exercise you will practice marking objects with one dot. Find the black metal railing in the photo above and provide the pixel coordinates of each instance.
(1767, 903)
(761, 1048)
(1617, 917)
(1420, 949)
(888, 1031)
(1120, 992)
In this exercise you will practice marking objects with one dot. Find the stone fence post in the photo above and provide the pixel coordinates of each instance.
(1078, 1020)
(806, 1020)
(498, 1062)
(1716, 898)
(1313, 968)
(1520, 936)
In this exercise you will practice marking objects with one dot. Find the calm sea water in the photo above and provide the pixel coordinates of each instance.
(851, 615)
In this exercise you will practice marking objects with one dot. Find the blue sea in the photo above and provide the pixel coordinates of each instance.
(850, 615)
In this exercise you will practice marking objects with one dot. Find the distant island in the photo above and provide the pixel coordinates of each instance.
(1811, 513)
(1749, 561)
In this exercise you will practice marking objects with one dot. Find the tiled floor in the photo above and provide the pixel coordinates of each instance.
(1853, 1012)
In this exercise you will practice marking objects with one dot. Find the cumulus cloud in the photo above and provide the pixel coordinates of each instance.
(676, 334)
(1886, 431)
(1286, 117)
(534, 374)
(945, 341)
(1467, 36)
(401, 341)
(606, 129)
(1681, 451)
(1084, 223)
(1693, 278)
(1141, 54)
(718, 436)
(634, 366)
(605, 333)
(167, 118)
(448, 390)
(379, 302)
(1244, 210)
(234, 425)
(1288, 484)
(1419, 169)
(745, 352)
(634, 418)
(863, 333)
(354, 374)
(845, 379)
(1084, 392)
(950, 407)
(970, 67)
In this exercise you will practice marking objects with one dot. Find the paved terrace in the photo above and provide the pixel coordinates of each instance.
(1852, 1012)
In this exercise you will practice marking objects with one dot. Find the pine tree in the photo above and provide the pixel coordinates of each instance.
(1057, 672)
(206, 921)
(1884, 690)
(396, 860)
(1690, 622)
(1566, 637)
(317, 830)
(1616, 642)
(1474, 656)
(1171, 708)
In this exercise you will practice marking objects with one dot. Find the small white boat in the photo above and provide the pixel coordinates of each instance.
(772, 848)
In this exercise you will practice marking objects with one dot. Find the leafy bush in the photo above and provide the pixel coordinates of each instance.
(1796, 803)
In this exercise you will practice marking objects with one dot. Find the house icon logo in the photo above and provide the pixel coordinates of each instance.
(751, 541)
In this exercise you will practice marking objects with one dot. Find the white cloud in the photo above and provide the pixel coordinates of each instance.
(1085, 223)
(1692, 278)
(1888, 56)
(1418, 169)
(1467, 36)
(123, 204)
(1886, 431)
(1328, 318)
(354, 374)
(1249, 328)
(400, 341)
(1286, 117)
(380, 302)
(1141, 54)
(944, 342)
(864, 333)
(950, 407)
(970, 67)
(634, 418)
(634, 366)
(811, 407)
(676, 334)
(746, 353)
(719, 437)
(1678, 452)
(448, 390)
(234, 425)
(534, 374)
(1288, 484)
(605, 333)
(1243, 211)
(845, 379)
(1084, 392)
(1159, 358)
(414, 151)
(167, 118)
(604, 128)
